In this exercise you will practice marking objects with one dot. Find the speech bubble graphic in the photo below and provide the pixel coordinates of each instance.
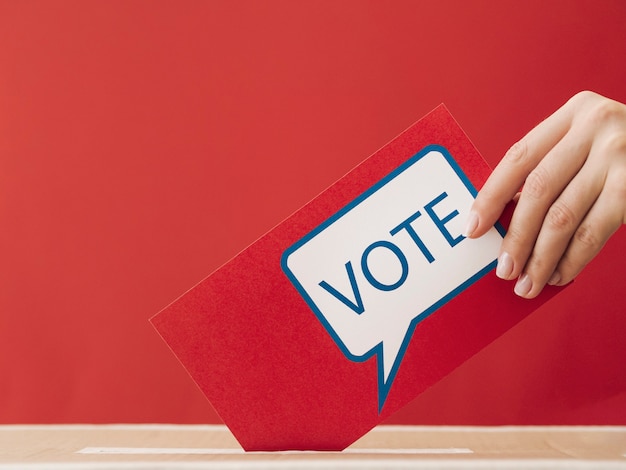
(390, 258)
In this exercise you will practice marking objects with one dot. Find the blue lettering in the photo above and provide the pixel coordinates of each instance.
(356, 306)
(368, 274)
(441, 223)
(406, 225)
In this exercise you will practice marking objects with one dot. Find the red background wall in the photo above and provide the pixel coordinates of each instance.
(144, 143)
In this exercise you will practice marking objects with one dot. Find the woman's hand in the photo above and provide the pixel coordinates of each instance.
(573, 170)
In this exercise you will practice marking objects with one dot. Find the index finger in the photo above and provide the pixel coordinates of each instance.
(510, 174)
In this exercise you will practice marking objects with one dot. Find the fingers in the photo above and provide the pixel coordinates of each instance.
(602, 220)
(542, 224)
(573, 170)
(561, 221)
(512, 171)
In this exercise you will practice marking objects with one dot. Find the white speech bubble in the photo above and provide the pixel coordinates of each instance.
(375, 269)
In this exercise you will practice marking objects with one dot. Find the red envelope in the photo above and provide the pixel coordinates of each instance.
(294, 361)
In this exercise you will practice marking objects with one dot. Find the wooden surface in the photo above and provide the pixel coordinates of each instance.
(213, 447)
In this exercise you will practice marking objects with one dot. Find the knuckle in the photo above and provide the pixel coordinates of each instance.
(515, 237)
(537, 183)
(538, 263)
(605, 112)
(615, 144)
(588, 238)
(517, 153)
(584, 96)
(560, 216)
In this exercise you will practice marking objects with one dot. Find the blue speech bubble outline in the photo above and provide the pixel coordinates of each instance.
(385, 386)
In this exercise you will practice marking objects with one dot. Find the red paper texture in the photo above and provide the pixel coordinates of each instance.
(266, 362)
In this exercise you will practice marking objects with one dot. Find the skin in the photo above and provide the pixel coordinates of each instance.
(572, 167)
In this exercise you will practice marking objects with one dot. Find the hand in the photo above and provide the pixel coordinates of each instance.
(573, 170)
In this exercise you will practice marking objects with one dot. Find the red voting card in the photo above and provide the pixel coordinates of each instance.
(355, 304)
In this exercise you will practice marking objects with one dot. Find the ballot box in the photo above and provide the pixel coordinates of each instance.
(147, 446)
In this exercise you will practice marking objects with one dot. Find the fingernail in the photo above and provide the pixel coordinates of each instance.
(505, 266)
(554, 279)
(471, 225)
(523, 286)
